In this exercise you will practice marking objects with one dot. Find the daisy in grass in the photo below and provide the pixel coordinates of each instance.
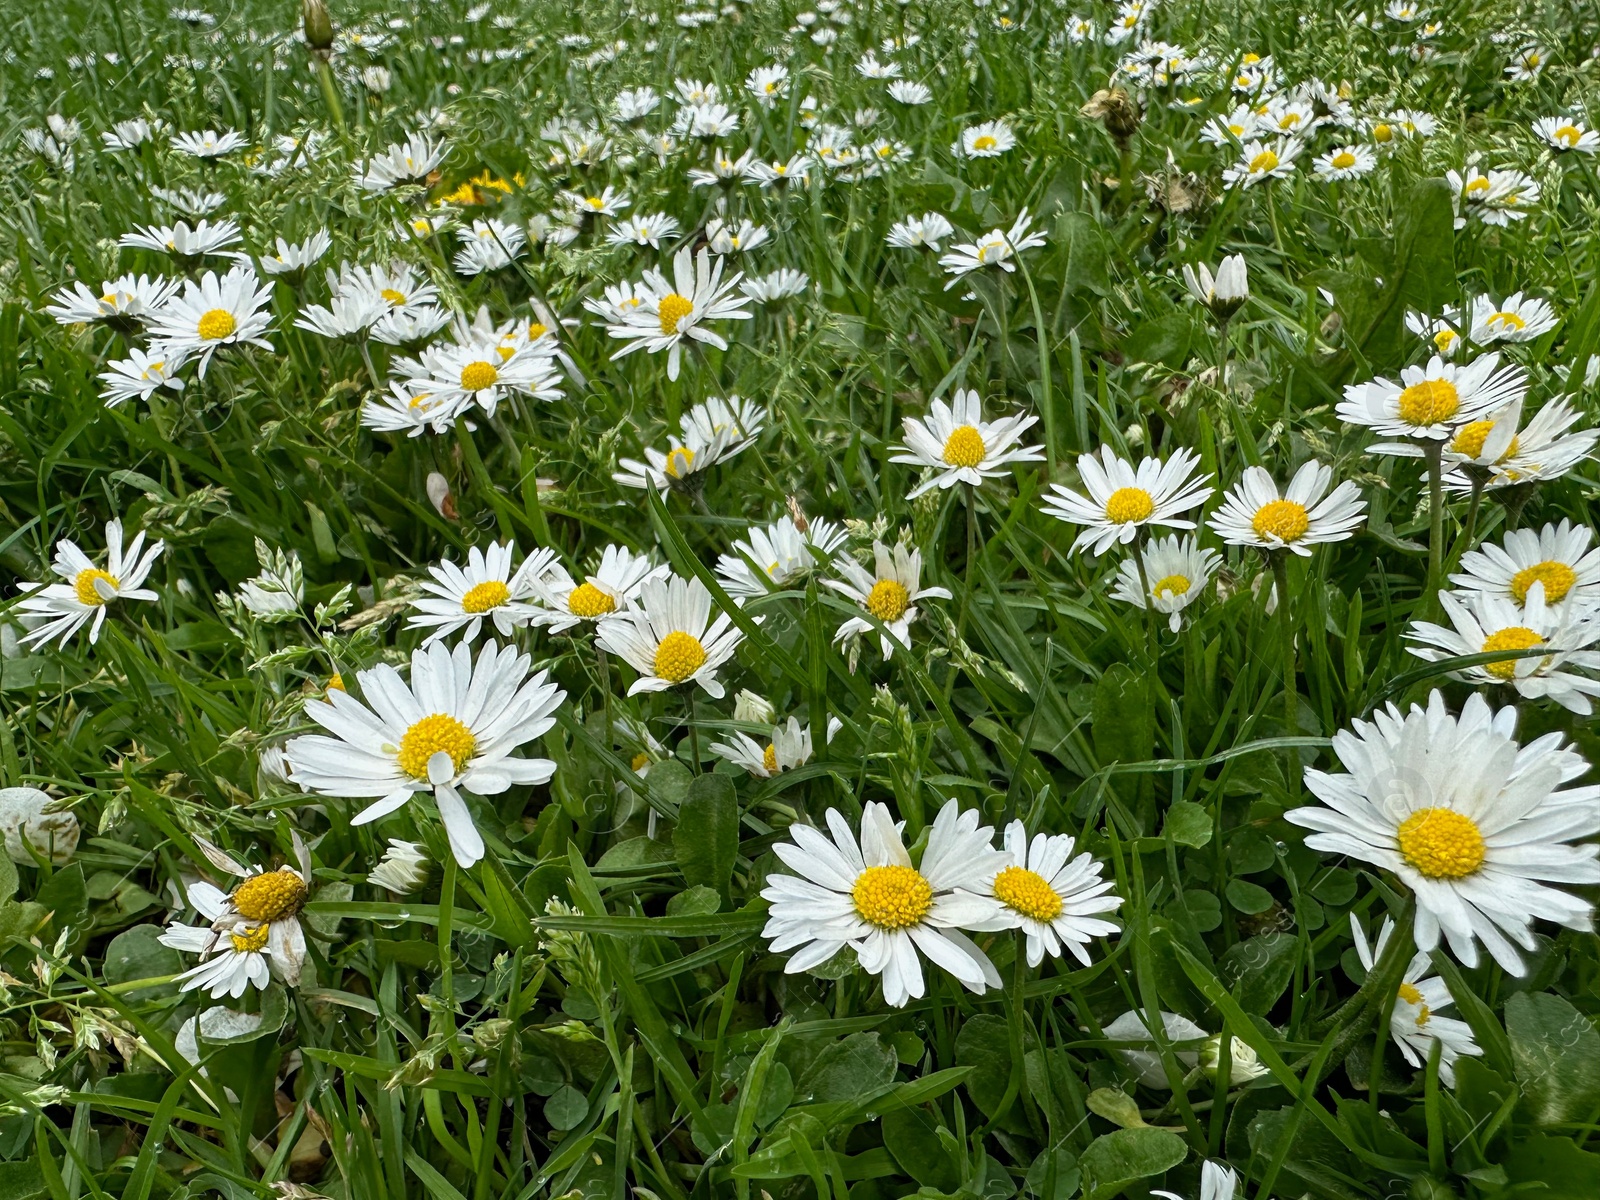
(669, 636)
(1481, 623)
(789, 746)
(1123, 499)
(213, 313)
(1542, 449)
(59, 610)
(482, 373)
(1255, 513)
(645, 229)
(1430, 403)
(293, 259)
(451, 729)
(1260, 162)
(1557, 556)
(124, 303)
(671, 311)
(411, 409)
(207, 237)
(1415, 1023)
(1217, 1182)
(208, 143)
(1178, 570)
(959, 446)
(889, 592)
(919, 233)
(994, 249)
(232, 960)
(1475, 826)
(1515, 319)
(1443, 332)
(989, 139)
(489, 245)
(408, 162)
(1050, 894)
(613, 586)
(775, 287)
(713, 431)
(141, 375)
(869, 896)
(1563, 134)
(772, 557)
(1344, 162)
(461, 599)
(1222, 293)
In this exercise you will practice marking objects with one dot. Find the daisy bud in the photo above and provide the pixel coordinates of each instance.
(441, 497)
(747, 706)
(1243, 1067)
(318, 27)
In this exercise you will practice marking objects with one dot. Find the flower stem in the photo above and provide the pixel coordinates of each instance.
(1434, 452)
(1280, 575)
(1014, 1015)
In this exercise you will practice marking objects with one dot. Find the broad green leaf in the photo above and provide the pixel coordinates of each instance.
(1556, 1053)
(1125, 1156)
(706, 839)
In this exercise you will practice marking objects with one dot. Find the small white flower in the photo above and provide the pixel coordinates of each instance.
(613, 586)
(670, 637)
(889, 592)
(670, 312)
(917, 233)
(403, 868)
(995, 249)
(59, 610)
(1415, 1023)
(1178, 570)
(213, 313)
(987, 140)
(774, 556)
(1514, 319)
(1050, 894)
(1123, 499)
(461, 599)
(959, 446)
(1224, 292)
(1255, 513)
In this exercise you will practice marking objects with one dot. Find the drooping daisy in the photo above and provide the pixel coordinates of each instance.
(1261, 162)
(1222, 293)
(141, 374)
(451, 729)
(670, 638)
(460, 599)
(959, 446)
(1476, 831)
(995, 249)
(1344, 162)
(1415, 1023)
(262, 898)
(889, 592)
(987, 140)
(1049, 894)
(789, 746)
(232, 960)
(213, 313)
(613, 586)
(1514, 319)
(1123, 499)
(1542, 449)
(1218, 1181)
(403, 868)
(1430, 403)
(910, 93)
(1557, 556)
(671, 311)
(772, 557)
(1563, 134)
(1178, 570)
(869, 896)
(1256, 513)
(64, 608)
(1481, 623)
(713, 431)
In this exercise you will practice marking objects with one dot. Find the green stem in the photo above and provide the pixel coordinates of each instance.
(1291, 716)
(1014, 1015)
(1434, 452)
(694, 733)
(1152, 636)
(330, 93)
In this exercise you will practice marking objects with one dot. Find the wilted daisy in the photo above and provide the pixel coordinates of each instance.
(670, 638)
(1481, 623)
(451, 729)
(1344, 162)
(1430, 403)
(612, 586)
(213, 313)
(788, 747)
(141, 375)
(124, 303)
(1178, 570)
(207, 237)
(959, 446)
(59, 610)
(771, 557)
(1415, 1023)
(916, 233)
(1542, 449)
(1567, 133)
(995, 249)
(1050, 894)
(713, 431)
(460, 599)
(1123, 499)
(1255, 513)
(671, 311)
(869, 896)
(1514, 319)
(987, 140)
(403, 868)
(1260, 162)
(1558, 556)
(889, 592)
(1475, 826)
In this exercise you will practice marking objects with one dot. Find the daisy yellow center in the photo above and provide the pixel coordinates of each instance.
(505, 352)
(1508, 320)
(537, 330)
(1382, 133)
(251, 941)
(888, 600)
(270, 896)
(986, 142)
(1429, 401)
(335, 683)
(435, 732)
(1288, 120)
(1172, 585)
(1343, 160)
(1557, 578)
(1414, 998)
(1265, 161)
(678, 656)
(480, 598)
(672, 309)
(1444, 339)
(680, 460)
(1474, 186)
(1441, 843)
(1472, 438)
(1569, 134)
(1129, 504)
(392, 296)
(83, 586)
(892, 897)
(589, 602)
(1286, 520)
(964, 447)
(215, 324)
(640, 761)
(769, 759)
(476, 376)
(1028, 893)
(1513, 637)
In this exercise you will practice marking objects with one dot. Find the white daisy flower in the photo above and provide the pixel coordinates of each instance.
(295, 258)
(1233, 129)
(1222, 293)
(490, 245)
(1261, 162)
(1475, 826)
(1415, 1023)
(672, 311)
(125, 302)
(141, 374)
(726, 238)
(1122, 499)
(1255, 513)
(207, 143)
(61, 609)
(889, 592)
(1542, 449)
(403, 868)
(959, 446)
(1444, 333)
(1496, 197)
(207, 237)
(1049, 894)
(232, 960)
(1515, 319)
(919, 233)
(132, 133)
(1563, 134)
(613, 586)
(409, 326)
(485, 373)
(408, 162)
(780, 285)
(670, 638)
(1179, 571)
(645, 229)
(772, 557)
(460, 599)
(213, 313)
(411, 408)
(713, 431)
(1430, 403)
(788, 747)
(995, 249)
(452, 729)
(1344, 162)
(987, 140)
(910, 93)
(1557, 556)
(768, 84)
(608, 202)
(778, 173)
(870, 897)
(1218, 1181)
(635, 104)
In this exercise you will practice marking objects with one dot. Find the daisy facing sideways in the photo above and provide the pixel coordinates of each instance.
(1178, 570)
(790, 746)
(669, 637)
(451, 728)
(461, 599)
(1558, 556)
(1217, 1182)
(1415, 1023)
(613, 586)
(772, 557)
(994, 249)
(959, 446)
(889, 592)
(671, 311)
(870, 897)
(59, 610)
(1475, 826)
(1544, 448)
(1123, 499)
(1255, 513)
(713, 431)
(1430, 403)
(1050, 894)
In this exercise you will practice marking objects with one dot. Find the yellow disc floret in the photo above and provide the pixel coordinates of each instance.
(1172, 585)
(1343, 160)
(215, 324)
(1557, 578)
(1411, 996)
(1569, 135)
(393, 296)
(480, 598)
(1286, 520)
(678, 656)
(270, 896)
(984, 142)
(1429, 402)
(1129, 504)
(769, 759)
(589, 602)
(672, 309)
(83, 586)
(1514, 637)
(434, 733)
(252, 940)
(964, 447)
(1263, 162)
(888, 600)
(1472, 438)
(892, 897)
(1441, 843)
(1028, 893)
(680, 462)
(476, 376)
